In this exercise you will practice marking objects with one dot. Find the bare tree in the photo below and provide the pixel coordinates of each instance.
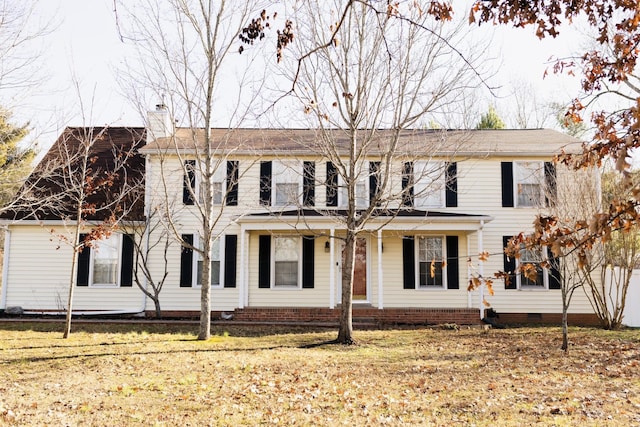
(148, 239)
(362, 70)
(90, 182)
(185, 47)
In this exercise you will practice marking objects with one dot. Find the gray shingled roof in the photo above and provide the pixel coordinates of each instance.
(463, 143)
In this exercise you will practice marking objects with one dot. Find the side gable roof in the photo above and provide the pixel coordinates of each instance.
(45, 194)
(463, 143)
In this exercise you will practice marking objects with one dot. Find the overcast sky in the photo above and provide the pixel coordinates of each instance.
(85, 44)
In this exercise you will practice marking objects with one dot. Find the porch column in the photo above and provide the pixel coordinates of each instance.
(380, 287)
(481, 270)
(332, 271)
(243, 269)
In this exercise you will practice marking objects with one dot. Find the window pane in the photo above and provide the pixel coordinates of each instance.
(533, 257)
(105, 261)
(529, 176)
(215, 265)
(286, 261)
(430, 253)
(429, 184)
(216, 191)
(287, 194)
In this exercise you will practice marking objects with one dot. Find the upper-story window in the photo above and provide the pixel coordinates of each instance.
(528, 184)
(429, 184)
(529, 189)
(224, 183)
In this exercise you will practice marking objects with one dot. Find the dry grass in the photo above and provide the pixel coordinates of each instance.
(155, 375)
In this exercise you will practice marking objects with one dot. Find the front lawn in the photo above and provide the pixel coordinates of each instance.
(161, 376)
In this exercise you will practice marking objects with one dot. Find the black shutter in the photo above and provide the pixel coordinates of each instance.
(84, 260)
(309, 183)
(409, 262)
(555, 279)
(509, 266)
(308, 261)
(264, 262)
(407, 184)
(551, 189)
(230, 261)
(265, 183)
(332, 185)
(189, 183)
(507, 184)
(453, 276)
(374, 176)
(451, 185)
(233, 174)
(126, 269)
(186, 262)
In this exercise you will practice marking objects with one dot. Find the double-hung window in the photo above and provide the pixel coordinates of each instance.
(532, 275)
(529, 177)
(108, 262)
(106, 253)
(287, 179)
(534, 269)
(431, 260)
(429, 184)
(286, 264)
(214, 266)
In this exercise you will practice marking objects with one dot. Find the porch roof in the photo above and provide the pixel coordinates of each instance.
(387, 219)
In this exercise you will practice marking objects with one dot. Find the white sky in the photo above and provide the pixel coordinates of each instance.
(85, 44)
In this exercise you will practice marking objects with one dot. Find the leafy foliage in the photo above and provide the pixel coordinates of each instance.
(490, 120)
(15, 159)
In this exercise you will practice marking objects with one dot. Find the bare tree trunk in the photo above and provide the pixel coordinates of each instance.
(345, 331)
(72, 285)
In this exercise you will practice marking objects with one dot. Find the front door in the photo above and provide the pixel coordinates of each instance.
(359, 270)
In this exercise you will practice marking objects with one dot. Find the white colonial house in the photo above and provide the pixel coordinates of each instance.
(277, 254)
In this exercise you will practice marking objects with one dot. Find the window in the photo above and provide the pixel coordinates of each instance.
(431, 260)
(529, 178)
(535, 269)
(286, 265)
(108, 262)
(223, 262)
(223, 180)
(429, 186)
(106, 253)
(530, 261)
(215, 265)
(362, 196)
(287, 177)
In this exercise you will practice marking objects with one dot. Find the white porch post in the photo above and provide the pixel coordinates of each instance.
(243, 268)
(332, 272)
(380, 287)
(481, 270)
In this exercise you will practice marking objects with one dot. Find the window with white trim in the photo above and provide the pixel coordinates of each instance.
(530, 265)
(214, 268)
(429, 184)
(105, 261)
(431, 262)
(286, 261)
(361, 189)
(529, 191)
(287, 182)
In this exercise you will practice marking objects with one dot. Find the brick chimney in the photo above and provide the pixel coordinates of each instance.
(159, 123)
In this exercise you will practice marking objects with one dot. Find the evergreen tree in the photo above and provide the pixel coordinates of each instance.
(15, 158)
(490, 120)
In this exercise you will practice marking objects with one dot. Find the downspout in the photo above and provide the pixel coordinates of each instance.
(5, 267)
(147, 231)
(481, 270)
(243, 262)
